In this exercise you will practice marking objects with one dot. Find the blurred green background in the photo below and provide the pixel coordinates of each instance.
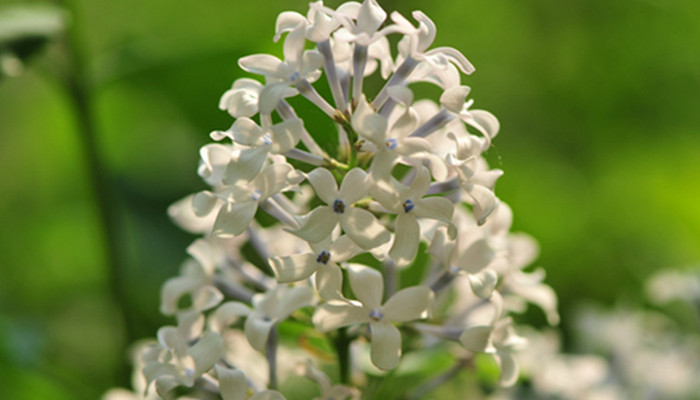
(600, 113)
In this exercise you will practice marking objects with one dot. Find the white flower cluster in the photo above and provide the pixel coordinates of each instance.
(408, 176)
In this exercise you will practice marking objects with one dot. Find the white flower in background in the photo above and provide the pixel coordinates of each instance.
(328, 390)
(268, 310)
(233, 386)
(368, 285)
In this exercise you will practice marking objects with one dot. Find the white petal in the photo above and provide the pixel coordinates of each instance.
(363, 228)
(272, 93)
(227, 314)
(441, 246)
(285, 135)
(367, 284)
(438, 208)
(329, 282)
(182, 213)
(294, 45)
(454, 98)
(454, 56)
(324, 185)
(286, 22)
(257, 329)
(294, 268)
(484, 202)
(406, 240)
(509, 369)
(476, 257)
(319, 224)
(373, 127)
(343, 249)
(232, 383)
(413, 145)
(483, 283)
(234, 218)
(401, 94)
(488, 122)
(273, 179)
(206, 297)
(419, 186)
(261, 64)
(293, 299)
(385, 349)
(175, 288)
(246, 165)
(333, 316)
(247, 132)
(203, 203)
(406, 124)
(370, 17)
(207, 352)
(268, 395)
(353, 187)
(408, 304)
(477, 339)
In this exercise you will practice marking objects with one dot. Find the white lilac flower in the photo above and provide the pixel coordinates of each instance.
(259, 141)
(410, 203)
(360, 225)
(233, 386)
(268, 310)
(184, 354)
(242, 99)
(368, 285)
(328, 389)
(470, 254)
(323, 260)
(240, 202)
(195, 279)
(299, 69)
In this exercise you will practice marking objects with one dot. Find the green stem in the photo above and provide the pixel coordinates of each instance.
(80, 94)
(342, 348)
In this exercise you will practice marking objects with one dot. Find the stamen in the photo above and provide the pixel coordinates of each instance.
(375, 315)
(338, 206)
(323, 257)
(408, 205)
(391, 144)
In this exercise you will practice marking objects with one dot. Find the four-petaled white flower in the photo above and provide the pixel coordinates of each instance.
(409, 203)
(268, 309)
(323, 260)
(238, 204)
(368, 286)
(360, 225)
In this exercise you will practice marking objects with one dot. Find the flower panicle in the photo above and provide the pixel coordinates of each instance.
(293, 229)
